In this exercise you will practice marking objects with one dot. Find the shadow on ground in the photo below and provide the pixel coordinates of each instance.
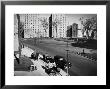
(24, 64)
(89, 44)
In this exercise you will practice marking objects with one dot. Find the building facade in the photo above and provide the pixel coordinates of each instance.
(32, 26)
(69, 31)
(72, 30)
(59, 30)
(57, 26)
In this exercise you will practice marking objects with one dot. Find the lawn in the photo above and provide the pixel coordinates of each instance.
(89, 44)
(25, 62)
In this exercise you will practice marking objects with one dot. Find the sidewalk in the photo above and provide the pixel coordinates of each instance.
(39, 72)
(39, 65)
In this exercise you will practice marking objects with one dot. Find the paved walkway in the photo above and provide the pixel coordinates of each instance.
(39, 63)
(39, 70)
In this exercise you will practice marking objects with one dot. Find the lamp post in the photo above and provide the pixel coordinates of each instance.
(67, 50)
(67, 62)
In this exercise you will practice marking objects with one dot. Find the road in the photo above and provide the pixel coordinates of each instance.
(80, 65)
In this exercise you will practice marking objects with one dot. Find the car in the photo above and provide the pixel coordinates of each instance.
(51, 71)
(34, 55)
(48, 59)
(61, 62)
(44, 59)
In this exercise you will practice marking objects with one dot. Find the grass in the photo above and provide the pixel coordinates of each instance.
(25, 62)
(89, 44)
(90, 56)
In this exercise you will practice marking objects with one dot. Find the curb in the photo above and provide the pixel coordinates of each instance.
(78, 53)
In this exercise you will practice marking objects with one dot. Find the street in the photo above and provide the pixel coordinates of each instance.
(80, 66)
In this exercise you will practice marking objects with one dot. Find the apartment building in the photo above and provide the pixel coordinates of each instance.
(59, 31)
(32, 26)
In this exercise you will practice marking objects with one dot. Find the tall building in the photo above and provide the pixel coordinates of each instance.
(32, 26)
(50, 26)
(69, 31)
(72, 30)
(59, 30)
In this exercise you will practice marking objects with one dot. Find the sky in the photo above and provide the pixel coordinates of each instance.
(73, 18)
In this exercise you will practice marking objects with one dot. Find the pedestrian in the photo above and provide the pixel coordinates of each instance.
(36, 56)
(83, 51)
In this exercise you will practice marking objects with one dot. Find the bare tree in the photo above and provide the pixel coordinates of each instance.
(89, 25)
(55, 24)
(82, 29)
(45, 24)
(20, 30)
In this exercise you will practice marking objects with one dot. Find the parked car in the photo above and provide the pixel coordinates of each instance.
(61, 62)
(48, 59)
(34, 55)
(51, 71)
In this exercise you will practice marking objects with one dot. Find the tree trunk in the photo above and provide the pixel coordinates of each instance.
(82, 32)
(56, 31)
(45, 33)
(19, 38)
(87, 35)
